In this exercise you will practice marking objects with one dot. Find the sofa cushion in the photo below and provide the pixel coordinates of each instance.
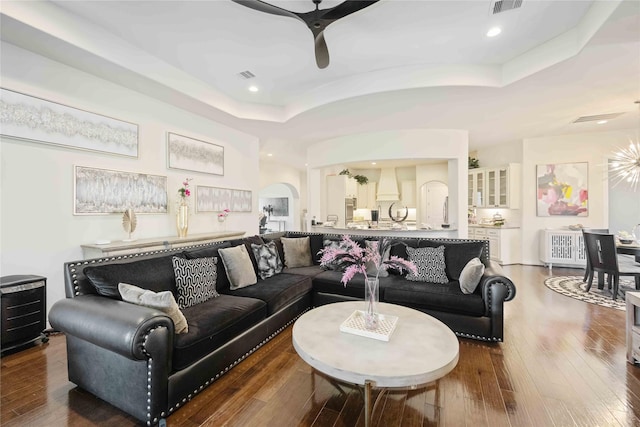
(155, 274)
(195, 280)
(163, 301)
(297, 252)
(267, 258)
(311, 271)
(214, 323)
(277, 291)
(222, 282)
(471, 275)
(437, 297)
(457, 255)
(329, 282)
(237, 264)
(430, 264)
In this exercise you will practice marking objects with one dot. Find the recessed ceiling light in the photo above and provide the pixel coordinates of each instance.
(373, 163)
(494, 32)
(270, 155)
(601, 122)
(253, 88)
(306, 164)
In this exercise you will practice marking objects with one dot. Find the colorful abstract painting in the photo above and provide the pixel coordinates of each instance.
(562, 189)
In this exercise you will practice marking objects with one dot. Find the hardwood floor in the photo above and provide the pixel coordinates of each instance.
(562, 364)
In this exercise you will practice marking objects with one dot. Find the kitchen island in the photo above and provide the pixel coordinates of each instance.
(390, 232)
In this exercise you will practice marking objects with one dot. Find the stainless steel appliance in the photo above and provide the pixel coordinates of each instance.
(350, 205)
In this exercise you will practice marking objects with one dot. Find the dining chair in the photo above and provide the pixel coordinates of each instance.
(588, 271)
(604, 259)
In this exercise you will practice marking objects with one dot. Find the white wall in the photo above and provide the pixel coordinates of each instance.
(425, 173)
(593, 148)
(38, 229)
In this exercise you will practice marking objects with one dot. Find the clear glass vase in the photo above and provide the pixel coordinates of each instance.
(371, 298)
(182, 219)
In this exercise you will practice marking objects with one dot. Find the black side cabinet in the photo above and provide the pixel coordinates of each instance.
(24, 310)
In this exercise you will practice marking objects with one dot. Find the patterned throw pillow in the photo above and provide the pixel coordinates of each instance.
(430, 264)
(195, 280)
(163, 301)
(335, 244)
(269, 263)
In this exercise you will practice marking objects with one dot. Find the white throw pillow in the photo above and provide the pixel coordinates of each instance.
(163, 301)
(471, 275)
(239, 267)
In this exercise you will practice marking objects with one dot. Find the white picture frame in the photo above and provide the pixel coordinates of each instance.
(190, 154)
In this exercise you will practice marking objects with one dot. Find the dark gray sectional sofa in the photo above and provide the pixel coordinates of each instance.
(130, 356)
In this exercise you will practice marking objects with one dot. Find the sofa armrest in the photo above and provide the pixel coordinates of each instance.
(494, 284)
(115, 325)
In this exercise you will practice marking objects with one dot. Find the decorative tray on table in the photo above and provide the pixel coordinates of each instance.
(355, 325)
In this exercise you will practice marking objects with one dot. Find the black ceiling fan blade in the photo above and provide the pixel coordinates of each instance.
(322, 52)
(261, 6)
(346, 8)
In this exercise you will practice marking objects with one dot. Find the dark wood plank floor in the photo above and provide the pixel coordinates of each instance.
(562, 364)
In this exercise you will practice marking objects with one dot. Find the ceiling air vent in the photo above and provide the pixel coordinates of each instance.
(246, 75)
(504, 5)
(597, 117)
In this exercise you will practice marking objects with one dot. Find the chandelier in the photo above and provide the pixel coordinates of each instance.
(625, 165)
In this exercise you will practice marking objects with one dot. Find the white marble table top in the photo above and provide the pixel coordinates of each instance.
(421, 349)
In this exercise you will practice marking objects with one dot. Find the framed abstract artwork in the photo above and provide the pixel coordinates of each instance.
(214, 199)
(562, 189)
(103, 191)
(194, 155)
(34, 119)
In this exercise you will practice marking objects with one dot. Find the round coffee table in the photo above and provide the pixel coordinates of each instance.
(420, 350)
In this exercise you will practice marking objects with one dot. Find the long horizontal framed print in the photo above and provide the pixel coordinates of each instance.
(563, 189)
(214, 199)
(34, 119)
(194, 155)
(104, 191)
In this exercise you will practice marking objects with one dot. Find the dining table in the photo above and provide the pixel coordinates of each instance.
(629, 249)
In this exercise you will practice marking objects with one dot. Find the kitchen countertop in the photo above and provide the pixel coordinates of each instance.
(493, 226)
(410, 232)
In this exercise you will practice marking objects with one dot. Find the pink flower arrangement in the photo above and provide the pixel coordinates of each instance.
(184, 191)
(224, 214)
(353, 258)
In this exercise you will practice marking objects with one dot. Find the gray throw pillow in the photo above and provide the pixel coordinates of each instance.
(429, 263)
(471, 275)
(163, 301)
(267, 258)
(297, 252)
(239, 268)
(195, 280)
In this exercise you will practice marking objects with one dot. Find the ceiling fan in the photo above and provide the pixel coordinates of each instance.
(316, 20)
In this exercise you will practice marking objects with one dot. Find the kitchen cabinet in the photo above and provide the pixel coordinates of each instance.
(503, 186)
(495, 187)
(408, 194)
(476, 197)
(504, 243)
(367, 196)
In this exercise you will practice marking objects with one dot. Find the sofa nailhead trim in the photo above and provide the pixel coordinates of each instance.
(222, 372)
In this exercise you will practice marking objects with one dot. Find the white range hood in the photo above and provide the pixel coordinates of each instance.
(388, 186)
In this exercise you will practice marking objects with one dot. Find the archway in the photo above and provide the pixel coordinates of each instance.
(280, 202)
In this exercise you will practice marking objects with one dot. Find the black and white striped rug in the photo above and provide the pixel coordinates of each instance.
(574, 287)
